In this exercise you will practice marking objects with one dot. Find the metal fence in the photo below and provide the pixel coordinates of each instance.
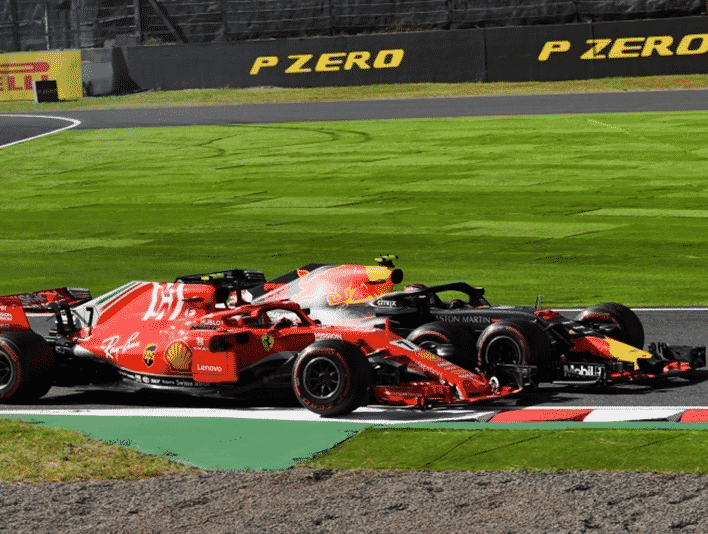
(61, 24)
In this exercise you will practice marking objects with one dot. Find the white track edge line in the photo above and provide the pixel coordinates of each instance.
(367, 416)
(74, 124)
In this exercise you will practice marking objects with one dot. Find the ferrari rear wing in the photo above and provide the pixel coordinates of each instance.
(47, 299)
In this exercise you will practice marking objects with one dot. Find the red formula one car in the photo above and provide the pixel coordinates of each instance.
(515, 344)
(198, 335)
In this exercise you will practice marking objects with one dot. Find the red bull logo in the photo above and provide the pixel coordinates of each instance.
(337, 285)
(356, 284)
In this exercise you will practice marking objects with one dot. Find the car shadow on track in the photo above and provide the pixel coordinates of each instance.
(690, 389)
(89, 398)
(674, 391)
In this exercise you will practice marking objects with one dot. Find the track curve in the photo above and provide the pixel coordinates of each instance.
(404, 108)
(15, 129)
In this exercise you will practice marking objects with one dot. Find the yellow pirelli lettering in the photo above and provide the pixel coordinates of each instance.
(298, 64)
(263, 61)
(686, 46)
(659, 44)
(597, 46)
(330, 62)
(553, 47)
(359, 59)
(388, 59)
(626, 47)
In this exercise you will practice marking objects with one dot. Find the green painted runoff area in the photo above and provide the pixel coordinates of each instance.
(211, 443)
(242, 444)
(579, 208)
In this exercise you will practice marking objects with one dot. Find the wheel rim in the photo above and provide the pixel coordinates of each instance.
(7, 371)
(430, 346)
(441, 347)
(321, 378)
(503, 350)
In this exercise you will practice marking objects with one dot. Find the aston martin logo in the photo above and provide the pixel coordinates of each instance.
(267, 341)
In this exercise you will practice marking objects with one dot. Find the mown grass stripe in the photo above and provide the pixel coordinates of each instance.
(515, 204)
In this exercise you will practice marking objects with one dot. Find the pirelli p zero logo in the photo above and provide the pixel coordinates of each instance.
(329, 62)
(630, 47)
(19, 71)
(19, 76)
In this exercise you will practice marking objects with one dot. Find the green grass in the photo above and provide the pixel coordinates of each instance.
(32, 453)
(580, 208)
(593, 449)
(414, 90)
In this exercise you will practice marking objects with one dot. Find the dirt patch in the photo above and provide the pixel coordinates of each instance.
(322, 500)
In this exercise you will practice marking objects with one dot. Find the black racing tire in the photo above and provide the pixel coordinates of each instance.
(331, 378)
(431, 335)
(26, 367)
(513, 341)
(612, 312)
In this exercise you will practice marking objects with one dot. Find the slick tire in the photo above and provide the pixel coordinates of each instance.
(611, 312)
(331, 378)
(26, 367)
(513, 341)
(437, 336)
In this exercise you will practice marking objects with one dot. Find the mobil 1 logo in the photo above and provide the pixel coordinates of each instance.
(583, 371)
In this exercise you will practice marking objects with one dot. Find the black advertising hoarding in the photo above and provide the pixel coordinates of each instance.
(598, 50)
(186, 66)
(649, 47)
(451, 56)
(536, 53)
(520, 53)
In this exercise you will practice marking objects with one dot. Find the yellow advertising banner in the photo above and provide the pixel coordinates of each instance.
(19, 69)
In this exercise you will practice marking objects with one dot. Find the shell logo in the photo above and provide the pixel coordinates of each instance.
(179, 356)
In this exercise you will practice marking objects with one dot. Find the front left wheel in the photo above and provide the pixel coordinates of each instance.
(514, 343)
(629, 326)
(331, 378)
(451, 342)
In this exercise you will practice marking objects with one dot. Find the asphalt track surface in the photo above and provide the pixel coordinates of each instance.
(676, 326)
(611, 102)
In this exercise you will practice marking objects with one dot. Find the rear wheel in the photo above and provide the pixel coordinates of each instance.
(629, 327)
(331, 378)
(26, 367)
(447, 341)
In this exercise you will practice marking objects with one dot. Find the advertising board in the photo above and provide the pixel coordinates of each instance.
(509, 53)
(451, 56)
(19, 70)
